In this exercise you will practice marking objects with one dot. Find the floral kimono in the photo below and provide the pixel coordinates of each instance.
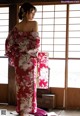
(43, 70)
(21, 49)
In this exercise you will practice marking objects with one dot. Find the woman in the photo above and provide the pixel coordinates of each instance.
(21, 48)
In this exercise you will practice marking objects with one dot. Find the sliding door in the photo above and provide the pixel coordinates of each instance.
(4, 24)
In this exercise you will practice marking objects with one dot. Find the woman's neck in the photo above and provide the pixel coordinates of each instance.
(25, 20)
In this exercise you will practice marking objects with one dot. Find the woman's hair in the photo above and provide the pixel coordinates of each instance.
(26, 7)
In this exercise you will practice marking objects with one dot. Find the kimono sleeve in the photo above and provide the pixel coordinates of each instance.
(9, 47)
(34, 44)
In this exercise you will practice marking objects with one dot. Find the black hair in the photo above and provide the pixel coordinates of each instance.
(25, 7)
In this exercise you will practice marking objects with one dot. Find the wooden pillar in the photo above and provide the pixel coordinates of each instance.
(13, 15)
(13, 10)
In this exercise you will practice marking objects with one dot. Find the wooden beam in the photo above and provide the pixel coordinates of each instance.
(21, 1)
(13, 16)
(12, 2)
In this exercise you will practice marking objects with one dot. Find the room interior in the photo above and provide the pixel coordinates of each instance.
(59, 30)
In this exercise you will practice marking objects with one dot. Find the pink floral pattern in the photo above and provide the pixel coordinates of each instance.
(22, 48)
(43, 70)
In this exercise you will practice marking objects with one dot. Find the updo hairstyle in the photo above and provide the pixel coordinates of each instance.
(26, 7)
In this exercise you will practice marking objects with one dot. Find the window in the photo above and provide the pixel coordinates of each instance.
(57, 73)
(52, 20)
(3, 70)
(4, 25)
(74, 73)
(74, 31)
(74, 46)
(52, 30)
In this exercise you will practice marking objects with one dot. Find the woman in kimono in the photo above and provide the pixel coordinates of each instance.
(21, 48)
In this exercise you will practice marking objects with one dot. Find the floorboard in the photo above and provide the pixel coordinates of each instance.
(11, 111)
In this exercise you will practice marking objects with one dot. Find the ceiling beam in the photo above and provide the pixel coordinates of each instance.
(12, 2)
(21, 1)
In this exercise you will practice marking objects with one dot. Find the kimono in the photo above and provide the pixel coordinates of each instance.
(43, 70)
(21, 49)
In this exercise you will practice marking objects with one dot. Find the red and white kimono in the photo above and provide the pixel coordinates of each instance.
(21, 49)
(43, 70)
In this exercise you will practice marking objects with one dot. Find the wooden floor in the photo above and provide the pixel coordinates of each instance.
(11, 111)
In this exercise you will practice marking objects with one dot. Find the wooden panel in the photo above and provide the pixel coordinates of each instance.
(21, 1)
(73, 98)
(3, 93)
(11, 87)
(59, 96)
